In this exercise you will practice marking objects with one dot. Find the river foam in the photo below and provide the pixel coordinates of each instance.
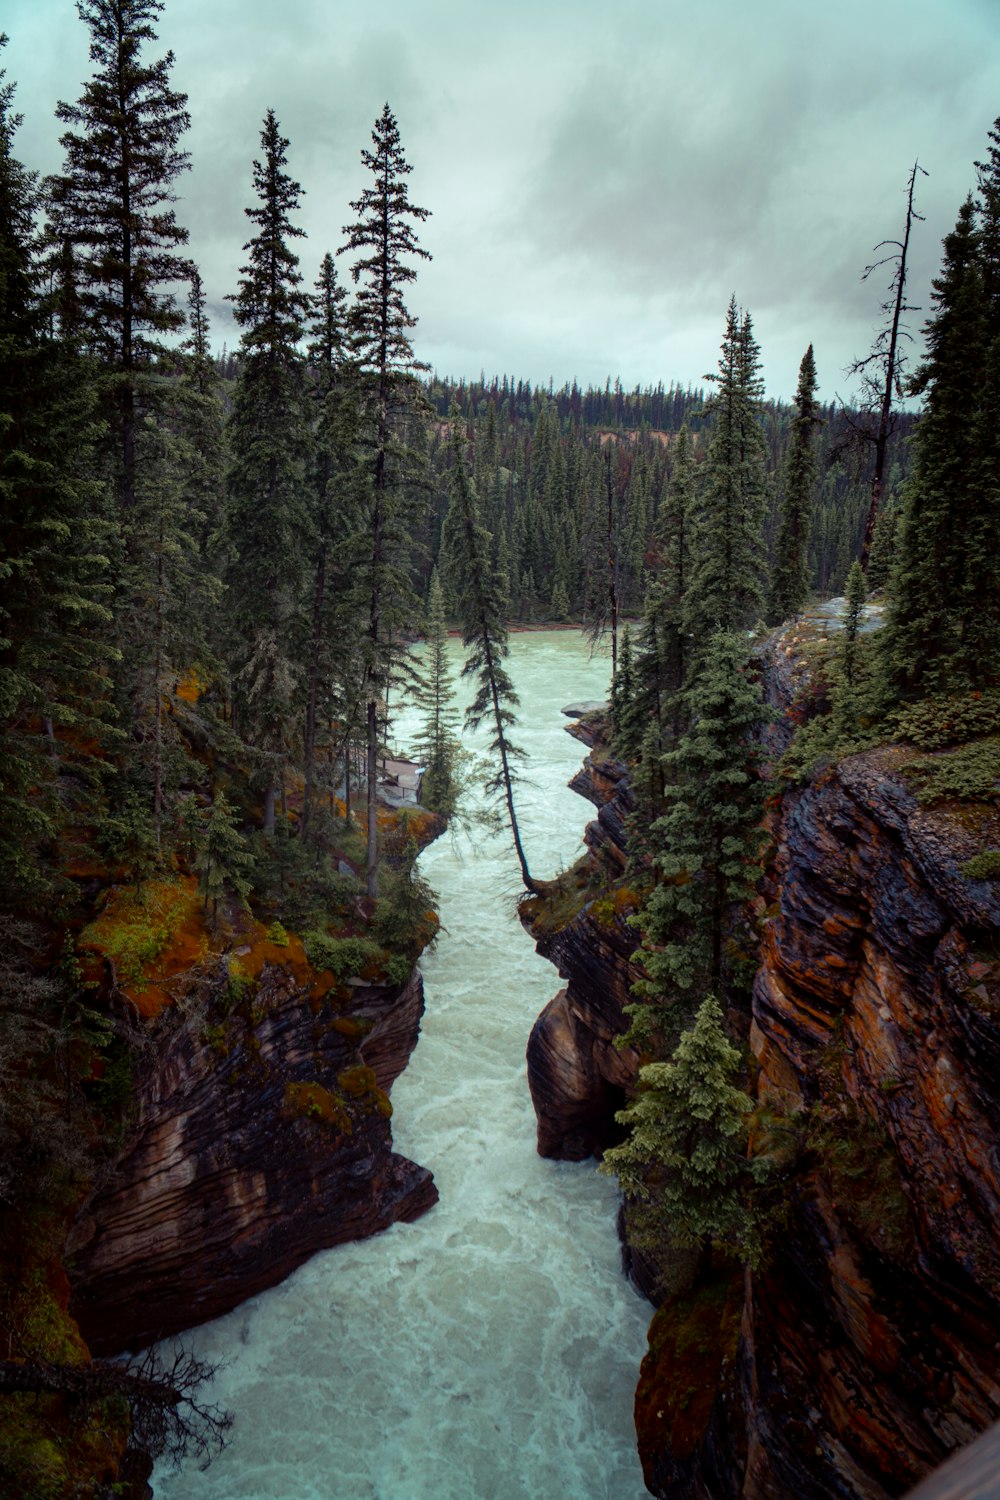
(489, 1351)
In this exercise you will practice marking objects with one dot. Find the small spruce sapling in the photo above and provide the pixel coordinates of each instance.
(222, 860)
(685, 1161)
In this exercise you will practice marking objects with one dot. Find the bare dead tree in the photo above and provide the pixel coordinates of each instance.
(169, 1418)
(881, 370)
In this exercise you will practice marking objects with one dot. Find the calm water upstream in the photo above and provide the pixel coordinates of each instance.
(489, 1351)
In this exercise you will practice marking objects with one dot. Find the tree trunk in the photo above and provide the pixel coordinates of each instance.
(313, 697)
(885, 412)
(372, 748)
(91, 1382)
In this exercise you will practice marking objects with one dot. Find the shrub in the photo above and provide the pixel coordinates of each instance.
(934, 723)
(344, 957)
(970, 773)
(404, 916)
(984, 866)
(237, 988)
(398, 968)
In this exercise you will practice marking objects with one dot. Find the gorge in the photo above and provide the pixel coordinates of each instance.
(492, 1346)
(863, 1350)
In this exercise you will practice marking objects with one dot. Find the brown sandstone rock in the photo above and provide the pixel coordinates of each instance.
(230, 1178)
(870, 1341)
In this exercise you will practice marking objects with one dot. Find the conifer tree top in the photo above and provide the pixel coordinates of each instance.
(379, 319)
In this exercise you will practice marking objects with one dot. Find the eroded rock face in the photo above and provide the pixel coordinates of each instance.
(577, 1076)
(870, 1349)
(869, 1345)
(257, 1143)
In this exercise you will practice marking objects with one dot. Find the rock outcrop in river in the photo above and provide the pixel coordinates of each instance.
(867, 1348)
(261, 1134)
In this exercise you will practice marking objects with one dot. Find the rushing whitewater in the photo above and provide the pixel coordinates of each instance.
(489, 1351)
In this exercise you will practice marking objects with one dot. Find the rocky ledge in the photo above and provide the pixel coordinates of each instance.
(576, 1074)
(867, 1347)
(260, 1135)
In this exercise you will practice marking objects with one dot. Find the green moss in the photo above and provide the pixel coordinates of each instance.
(858, 1159)
(984, 866)
(357, 1081)
(136, 929)
(354, 1027)
(311, 1101)
(970, 773)
(277, 935)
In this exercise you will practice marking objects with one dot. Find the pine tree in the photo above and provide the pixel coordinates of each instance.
(883, 553)
(222, 860)
(53, 615)
(118, 253)
(380, 345)
(112, 207)
(482, 608)
(333, 395)
(627, 719)
(790, 576)
(726, 591)
(882, 369)
(203, 427)
(663, 654)
(855, 594)
(706, 846)
(943, 625)
(437, 743)
(685, 1158)
(268, 520)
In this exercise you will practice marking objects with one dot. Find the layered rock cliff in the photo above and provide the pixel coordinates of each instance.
(867, 1347)
(577, 1076)
(260, 1135)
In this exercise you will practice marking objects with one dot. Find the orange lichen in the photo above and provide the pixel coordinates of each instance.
(148, 937)
(260, 948)
(191, 686)
(357, 1081)
(311, 1101)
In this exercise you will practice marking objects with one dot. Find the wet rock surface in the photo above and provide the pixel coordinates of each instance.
(869, 1341)
(576, 1074)
(254, 1145)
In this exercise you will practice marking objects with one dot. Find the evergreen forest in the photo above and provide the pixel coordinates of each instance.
(216, 563)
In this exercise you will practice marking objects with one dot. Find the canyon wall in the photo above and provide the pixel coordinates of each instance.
(866, 1348)
(260, 1135)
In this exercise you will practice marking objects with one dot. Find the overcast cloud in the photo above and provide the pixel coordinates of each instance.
(601, 177)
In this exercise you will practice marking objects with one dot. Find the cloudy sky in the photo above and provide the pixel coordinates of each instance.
(602, 174)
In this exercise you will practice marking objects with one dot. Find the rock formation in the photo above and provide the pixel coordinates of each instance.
(260, 1137)
(867, 1347)
(576, 1075)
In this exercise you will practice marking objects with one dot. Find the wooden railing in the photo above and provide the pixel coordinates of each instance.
(971, 1474)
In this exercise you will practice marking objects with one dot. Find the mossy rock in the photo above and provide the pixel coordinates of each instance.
(51, 1448)
(984, 866)
(311, 1101)
(353, 1027)
(357, 1081)
(691, 1340)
